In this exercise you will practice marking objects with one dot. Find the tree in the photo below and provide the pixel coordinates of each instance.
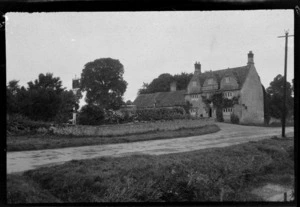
(45, 99)
(144, 88)
(182, 80)
(91, 115)
(102, 79)
(274, 97)
(12, 90)
(42, 98)
(129, 102)
(163, 81)
(67, 102)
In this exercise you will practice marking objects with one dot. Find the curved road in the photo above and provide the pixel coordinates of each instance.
(228, 135)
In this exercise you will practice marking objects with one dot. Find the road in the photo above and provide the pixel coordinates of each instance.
(228, 135)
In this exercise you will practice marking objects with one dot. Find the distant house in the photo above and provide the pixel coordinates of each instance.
(241, 82)
(161, 99)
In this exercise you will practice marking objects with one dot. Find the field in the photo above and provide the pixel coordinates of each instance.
(220, 174)
(152, 131)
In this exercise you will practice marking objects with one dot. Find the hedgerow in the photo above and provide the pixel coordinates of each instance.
(160, 114)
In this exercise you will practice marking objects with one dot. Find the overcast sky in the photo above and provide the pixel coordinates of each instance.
(146, 43)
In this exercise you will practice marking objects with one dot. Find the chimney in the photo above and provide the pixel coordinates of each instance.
(197, 68)
(173, 86)
(250, 58)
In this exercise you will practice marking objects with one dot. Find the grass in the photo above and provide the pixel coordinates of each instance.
(38, 142)
(191, 176)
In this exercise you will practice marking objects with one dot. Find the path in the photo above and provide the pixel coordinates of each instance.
(228, 135)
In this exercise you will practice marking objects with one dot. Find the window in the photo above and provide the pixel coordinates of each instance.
(227, 79)
(209, 81)
(227, 110)
(194, 83)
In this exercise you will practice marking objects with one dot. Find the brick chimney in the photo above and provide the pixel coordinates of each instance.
(197, 68)
(173, 86)
(250, 58)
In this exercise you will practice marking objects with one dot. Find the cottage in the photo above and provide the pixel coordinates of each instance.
(162, 99)
(240, 82)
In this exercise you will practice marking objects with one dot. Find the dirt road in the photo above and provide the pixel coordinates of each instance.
(228, 135)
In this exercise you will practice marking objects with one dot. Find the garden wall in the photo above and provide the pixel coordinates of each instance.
(130, 128)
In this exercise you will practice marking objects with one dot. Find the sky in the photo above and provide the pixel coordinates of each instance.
(147, 43)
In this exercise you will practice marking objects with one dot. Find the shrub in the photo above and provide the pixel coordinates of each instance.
(234, 119)
(219, 114)
(19, 124)
(91, 115)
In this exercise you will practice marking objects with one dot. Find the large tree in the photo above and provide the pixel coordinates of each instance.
(44, 99)
(163, 81)
(274, 99)
(102, 79)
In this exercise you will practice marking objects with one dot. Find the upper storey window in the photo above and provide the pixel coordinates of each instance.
(194, 83)
(210, 81)
(227, 79)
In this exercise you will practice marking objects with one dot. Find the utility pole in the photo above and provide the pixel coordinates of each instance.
(284, 83)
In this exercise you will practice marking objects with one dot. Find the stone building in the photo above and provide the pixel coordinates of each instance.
(240, 82)
(162, 99)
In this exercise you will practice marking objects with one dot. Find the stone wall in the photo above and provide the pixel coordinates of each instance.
(252, 99)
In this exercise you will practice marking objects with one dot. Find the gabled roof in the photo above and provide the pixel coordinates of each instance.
(160, 99)
(240, 73)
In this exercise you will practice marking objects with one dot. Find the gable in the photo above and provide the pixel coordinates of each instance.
(238, 73)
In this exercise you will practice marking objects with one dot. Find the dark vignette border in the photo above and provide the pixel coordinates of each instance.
(144, 5)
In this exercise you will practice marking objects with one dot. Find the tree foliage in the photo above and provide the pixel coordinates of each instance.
(11, 96)
(275, 98)
(45, 99)
(163, 81)
(129, 102)
(91, 115)
(102, 79)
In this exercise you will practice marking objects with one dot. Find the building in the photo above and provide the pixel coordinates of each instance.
(162, 99)
(240, 82)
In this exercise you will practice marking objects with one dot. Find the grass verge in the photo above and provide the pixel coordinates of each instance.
(38, 142)
(216, 174)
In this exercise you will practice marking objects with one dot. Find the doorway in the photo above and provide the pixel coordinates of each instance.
(210, 112)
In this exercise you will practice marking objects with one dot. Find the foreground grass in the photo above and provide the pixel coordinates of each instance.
(38, 142)
(226, 174)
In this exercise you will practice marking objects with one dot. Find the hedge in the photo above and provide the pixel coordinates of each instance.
(160, 114)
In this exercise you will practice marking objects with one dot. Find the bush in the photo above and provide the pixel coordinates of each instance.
(19, 124)
(160, 114)
(234, 119)
(219, 114)
(91, 115)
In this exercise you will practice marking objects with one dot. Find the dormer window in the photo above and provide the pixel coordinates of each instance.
(194, 83)
(227, 79)
(210, 81)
